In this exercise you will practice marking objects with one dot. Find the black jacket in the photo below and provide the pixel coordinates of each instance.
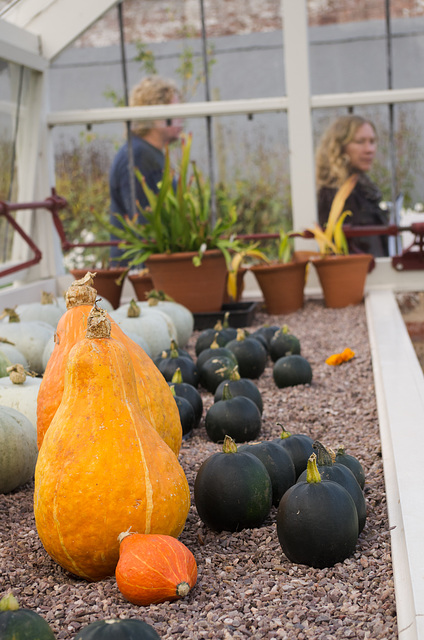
(363, 203)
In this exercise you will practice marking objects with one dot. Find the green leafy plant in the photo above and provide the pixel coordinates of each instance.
(332, 239)
(177, 220)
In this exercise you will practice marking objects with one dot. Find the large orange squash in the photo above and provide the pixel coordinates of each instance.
(102, 467)
(154, 394)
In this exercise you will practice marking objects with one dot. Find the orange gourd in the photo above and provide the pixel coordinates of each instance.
(154, 394)
(154, 568)
(102, 467)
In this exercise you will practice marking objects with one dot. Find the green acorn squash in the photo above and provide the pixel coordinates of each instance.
(283, 344)
(317, 521)
(232, 490)
(299, 446)
(341, 474)
(190, 393)
(240, 387)
(238, 417)
(352, 463)
(289, 371)
(250, 353)
(278, 463)
(21, 624)
(117, 629)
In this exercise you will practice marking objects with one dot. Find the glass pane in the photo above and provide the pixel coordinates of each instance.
(12, 80)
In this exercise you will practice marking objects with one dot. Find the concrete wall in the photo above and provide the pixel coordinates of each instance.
(343, 57)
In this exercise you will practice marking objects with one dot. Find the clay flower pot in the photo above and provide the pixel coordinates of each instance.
(342, 278)
(282, 285)
(142, 283)
(200, 289)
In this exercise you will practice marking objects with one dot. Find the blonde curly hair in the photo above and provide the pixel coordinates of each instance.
(332, 163)
(151, 90)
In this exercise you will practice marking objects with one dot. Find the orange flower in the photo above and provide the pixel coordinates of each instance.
(339, 358)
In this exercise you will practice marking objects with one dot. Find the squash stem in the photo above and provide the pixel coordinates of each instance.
(312, 473)
(182, 589)
(9, 603)
(323, 455)
(284, 434)
(229, 445)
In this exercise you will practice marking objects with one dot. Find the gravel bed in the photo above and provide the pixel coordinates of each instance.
(246, 587)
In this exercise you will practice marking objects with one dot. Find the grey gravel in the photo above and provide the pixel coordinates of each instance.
(246, 587)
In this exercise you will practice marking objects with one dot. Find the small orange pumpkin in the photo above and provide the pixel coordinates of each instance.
(156, 399)
(154, 568)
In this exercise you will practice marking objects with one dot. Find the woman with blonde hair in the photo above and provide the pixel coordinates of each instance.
(347, 147)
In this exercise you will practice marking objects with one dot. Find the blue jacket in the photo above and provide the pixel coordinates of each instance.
(150, 161)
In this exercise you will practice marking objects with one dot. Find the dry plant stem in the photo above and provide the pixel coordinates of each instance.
(17, 373)
(246, 588)
(81, 291)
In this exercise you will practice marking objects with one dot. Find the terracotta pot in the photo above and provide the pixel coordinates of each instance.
(343, 278)
(200, 289)
(142, 284)
(282, 285)
(106, 282)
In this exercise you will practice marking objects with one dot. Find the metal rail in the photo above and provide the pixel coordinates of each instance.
(411, 258)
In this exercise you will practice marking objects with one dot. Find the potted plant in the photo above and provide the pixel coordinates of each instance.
(342, 275)
(187, 254)
(282, 279)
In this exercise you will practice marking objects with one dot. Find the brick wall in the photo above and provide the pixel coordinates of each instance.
(161, 20)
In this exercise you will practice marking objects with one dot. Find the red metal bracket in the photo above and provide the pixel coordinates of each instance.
(54, 204)
(413, 256)
(5, 209)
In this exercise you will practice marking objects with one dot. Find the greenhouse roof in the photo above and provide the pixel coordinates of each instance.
(54, 23)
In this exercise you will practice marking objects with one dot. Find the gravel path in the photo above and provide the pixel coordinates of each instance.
(246, 586)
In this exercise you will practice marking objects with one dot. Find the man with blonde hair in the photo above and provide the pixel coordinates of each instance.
(148, 142)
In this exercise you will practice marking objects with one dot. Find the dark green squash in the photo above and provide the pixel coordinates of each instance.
(289, 371)
(186, 412)
(250, 353)
(117, 629)
(278, 463)
(167, 352)
(283, 344)
(190, 393)
(260, 337)
(207, 336)
(238, 417)
(213, 351)
(352, 463)
(232, 490)
(267, 332)
(299, 446)
(189, 372)
(240, 387)
(230, 332)
(21, 624)
(341, 474)
(214, 371)
(317, 521)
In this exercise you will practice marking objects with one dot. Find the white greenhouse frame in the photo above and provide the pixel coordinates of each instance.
(33, 33)
(29, 36)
